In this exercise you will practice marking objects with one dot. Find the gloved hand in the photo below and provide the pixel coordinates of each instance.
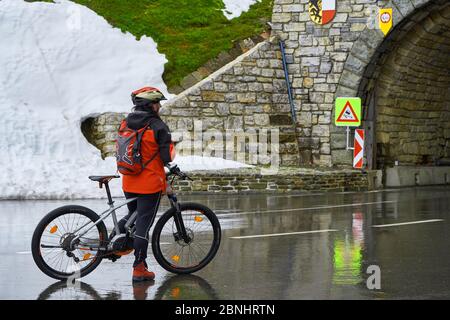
(173, 168)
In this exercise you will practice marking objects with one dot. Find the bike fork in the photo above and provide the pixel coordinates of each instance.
(181, 234)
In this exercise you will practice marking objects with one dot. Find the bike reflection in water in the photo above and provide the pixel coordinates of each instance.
(62, 290)
(187, 286)
(178, 287)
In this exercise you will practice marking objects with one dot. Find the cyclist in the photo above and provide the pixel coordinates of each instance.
(150, 184)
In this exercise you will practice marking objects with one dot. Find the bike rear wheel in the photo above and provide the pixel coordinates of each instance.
(55, 231)
(173, 253)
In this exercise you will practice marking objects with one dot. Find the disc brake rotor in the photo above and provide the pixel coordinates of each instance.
(181, 241)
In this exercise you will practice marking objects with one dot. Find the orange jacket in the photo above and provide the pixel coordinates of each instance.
(156, 139)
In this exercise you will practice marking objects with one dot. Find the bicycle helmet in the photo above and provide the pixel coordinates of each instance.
(147, 95)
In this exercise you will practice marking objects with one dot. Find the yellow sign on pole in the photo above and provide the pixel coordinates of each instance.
(385, 20)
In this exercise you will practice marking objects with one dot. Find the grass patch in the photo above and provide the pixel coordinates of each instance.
(188, 32)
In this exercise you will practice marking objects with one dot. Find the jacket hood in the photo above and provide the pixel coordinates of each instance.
(139, 119)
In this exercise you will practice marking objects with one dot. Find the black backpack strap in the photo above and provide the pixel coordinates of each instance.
(137, 145)
(151, 159)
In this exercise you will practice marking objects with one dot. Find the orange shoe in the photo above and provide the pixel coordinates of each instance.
(140, 273)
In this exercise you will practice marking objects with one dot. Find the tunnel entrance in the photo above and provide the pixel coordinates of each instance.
(406, 92)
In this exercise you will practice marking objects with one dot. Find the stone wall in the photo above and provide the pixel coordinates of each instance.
(101, 131)
(248, 95)
(287, 180)
(330, 61)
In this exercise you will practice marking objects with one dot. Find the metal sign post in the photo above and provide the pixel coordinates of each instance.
(348, 140)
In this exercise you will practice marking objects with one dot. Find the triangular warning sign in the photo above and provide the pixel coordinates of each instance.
(347, 114)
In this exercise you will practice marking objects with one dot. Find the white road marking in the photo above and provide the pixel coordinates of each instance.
(283, 234)
(23, 252)
(305, 209)
(406, 223)
(362, 192)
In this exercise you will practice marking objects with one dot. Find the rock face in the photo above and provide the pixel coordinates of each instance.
(403, 80)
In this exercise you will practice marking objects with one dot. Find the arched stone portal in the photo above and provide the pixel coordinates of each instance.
(404, 86)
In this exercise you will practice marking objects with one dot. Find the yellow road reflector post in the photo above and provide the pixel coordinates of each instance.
(54, 229)
(198, 219)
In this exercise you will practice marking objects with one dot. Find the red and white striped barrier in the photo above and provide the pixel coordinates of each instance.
(358, 151)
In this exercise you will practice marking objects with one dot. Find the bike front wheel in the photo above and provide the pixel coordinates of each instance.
(173, 253)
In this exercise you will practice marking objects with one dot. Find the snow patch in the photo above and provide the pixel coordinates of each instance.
(61, 62)
(234, 8)
(191, 163)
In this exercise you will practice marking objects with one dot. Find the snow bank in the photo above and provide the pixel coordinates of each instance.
(191, 163)
(236, 7)
(59, 64)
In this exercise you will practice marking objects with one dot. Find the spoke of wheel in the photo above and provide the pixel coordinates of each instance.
(51, 235)
(52, 255)
(202, 225)
(78, 221)
(189, 256)
(63, 230)
(194, 253)
(65, 221)
(201, 249)
(57, 230)
(71, 225)
(181, 253)
(67, 264)
(59, 261)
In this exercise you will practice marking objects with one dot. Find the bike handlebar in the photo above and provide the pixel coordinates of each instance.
(180, 175)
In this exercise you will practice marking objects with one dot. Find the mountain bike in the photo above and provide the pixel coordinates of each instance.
(71, 241)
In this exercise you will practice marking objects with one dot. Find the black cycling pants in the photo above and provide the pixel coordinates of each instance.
(147, 206)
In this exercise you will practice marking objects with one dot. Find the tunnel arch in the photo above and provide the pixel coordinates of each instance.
(403, 80)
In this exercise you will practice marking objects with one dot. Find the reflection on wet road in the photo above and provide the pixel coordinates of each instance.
(302, 246)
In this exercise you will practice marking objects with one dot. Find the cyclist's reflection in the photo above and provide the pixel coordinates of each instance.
(140, 289)
(178, 287)
(76, 291)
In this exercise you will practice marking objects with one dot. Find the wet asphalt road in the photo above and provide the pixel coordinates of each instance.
(356, 231)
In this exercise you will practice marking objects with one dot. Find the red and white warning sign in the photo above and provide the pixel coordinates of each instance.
(348, 114)
(358, 151)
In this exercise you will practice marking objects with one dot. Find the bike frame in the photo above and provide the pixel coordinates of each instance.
(105, 214)
(112, 212)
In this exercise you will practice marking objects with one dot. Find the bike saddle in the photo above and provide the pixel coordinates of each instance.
(103, 179)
